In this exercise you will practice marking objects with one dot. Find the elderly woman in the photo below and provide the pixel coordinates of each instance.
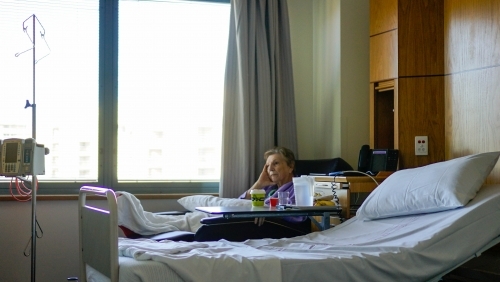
(276, 176)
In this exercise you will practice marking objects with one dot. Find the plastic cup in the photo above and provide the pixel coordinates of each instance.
(273, 202)
(302, 195)
(258, 197)
(283, 198)
(303, 190)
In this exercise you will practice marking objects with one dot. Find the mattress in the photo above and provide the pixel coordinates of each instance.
(407, 248)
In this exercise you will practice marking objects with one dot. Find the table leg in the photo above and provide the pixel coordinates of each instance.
(326, 220)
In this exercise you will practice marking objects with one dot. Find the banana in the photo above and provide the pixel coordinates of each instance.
(324, 203)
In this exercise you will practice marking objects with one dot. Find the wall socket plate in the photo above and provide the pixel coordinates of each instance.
(421, 146)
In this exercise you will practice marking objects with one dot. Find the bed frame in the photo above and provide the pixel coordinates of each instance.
(98, 230)
(475, 255)
(99, 236)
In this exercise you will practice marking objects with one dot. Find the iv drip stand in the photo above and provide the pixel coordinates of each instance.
(34, 182)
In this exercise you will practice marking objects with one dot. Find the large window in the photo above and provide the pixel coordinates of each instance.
(171, 62)
(128, 96)
(66, 89)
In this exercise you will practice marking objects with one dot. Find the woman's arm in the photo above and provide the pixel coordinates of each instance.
(261, 182)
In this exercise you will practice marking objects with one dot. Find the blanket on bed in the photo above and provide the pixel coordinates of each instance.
(207, 261)
(132, 215)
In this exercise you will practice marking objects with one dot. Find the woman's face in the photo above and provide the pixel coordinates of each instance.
(278, 170)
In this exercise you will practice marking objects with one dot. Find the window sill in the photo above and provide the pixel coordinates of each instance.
(75, 197)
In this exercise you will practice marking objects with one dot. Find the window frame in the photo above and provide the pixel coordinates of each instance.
(108, 124)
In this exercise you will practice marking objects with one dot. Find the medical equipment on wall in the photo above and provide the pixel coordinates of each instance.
(22, 157)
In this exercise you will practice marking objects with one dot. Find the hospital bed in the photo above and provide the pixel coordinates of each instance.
(413, 247)
(419, 248)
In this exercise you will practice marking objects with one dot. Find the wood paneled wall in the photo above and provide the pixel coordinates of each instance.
(472, 84)
(421, 112)
(384, 56)
(383, 16)
(412, 54)
(447, 75)
(421, 80)
(421, 38)
(472, 40)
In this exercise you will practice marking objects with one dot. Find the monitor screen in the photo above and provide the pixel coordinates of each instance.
(379, 160)
(11, 152)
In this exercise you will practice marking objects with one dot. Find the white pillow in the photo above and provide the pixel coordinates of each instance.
(432, 188)
(191, 202)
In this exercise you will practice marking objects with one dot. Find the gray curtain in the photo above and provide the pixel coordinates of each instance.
(259, 106)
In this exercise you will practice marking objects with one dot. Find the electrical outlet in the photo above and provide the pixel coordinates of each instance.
(421, 146)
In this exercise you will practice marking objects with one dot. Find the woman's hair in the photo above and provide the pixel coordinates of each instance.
(285, 152)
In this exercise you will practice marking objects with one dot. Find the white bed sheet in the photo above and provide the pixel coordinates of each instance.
(409, 248)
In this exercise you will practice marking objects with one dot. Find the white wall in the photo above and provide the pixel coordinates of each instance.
(330, 52)
(354, 74)
(301, 35)
(330, 57)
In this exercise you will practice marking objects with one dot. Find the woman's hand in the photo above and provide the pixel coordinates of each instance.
(264, 179)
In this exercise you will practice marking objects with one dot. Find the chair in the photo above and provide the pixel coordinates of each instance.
(320, 166)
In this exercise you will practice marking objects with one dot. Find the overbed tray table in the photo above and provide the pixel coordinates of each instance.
(244, 212)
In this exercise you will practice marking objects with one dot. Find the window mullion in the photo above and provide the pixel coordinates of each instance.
(108, 93)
